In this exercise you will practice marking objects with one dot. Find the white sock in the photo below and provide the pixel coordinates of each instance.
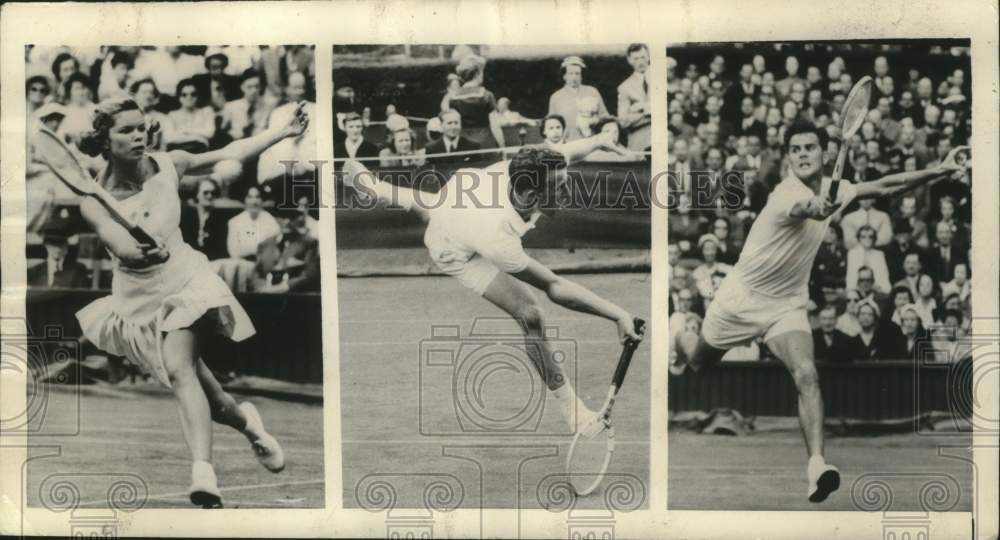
(816, 461)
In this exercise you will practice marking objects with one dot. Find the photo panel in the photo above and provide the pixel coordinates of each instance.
(493, 235)
(174, 346)
(820, 278)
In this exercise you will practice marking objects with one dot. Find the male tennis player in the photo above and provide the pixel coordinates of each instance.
(766, 293)
(474, 231)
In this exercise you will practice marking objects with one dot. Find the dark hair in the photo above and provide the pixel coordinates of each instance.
(902, 289)
(351, 117)
(801, 127)
(249, 73)
(95, 142)
(636, 47)
(390, 139)
(556, 117)
(62, 57)
(219, 56)
(448, 111)
(533, 168)
(76, 77)
(866, 269)
(37, 79)
(119, 58)
(864, 228)
(187, 82)
(952, 313)
(601, 122)
(134, 89)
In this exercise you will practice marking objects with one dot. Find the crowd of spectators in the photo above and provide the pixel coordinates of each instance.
(195, 99)
(891, 275)
(471, 119)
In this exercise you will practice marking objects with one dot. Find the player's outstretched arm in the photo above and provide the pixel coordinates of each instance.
(243, 149)
(894, 184)
(368, 184)
(574, 296)
(577, 150)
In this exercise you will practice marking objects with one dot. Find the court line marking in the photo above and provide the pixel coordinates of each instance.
(499, 441)
(93, 440)
(180, 494)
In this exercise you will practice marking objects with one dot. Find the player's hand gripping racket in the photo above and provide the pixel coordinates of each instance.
(852, 116)
(53, 152)
(589, 456)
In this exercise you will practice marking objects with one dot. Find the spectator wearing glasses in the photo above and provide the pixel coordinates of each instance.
(865, 254)
(847, 322)
(202, 228)
(37, 90)
(193, 126)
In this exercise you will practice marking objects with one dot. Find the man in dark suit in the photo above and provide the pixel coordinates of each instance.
(737, 93)
(354, 145)
(944, 255)
(901, 244)
(288, 262)
(747, 124)
(201, 227)
(59, 270)
(879, 340)
(452, 141)
(227, 85)
(831, 345)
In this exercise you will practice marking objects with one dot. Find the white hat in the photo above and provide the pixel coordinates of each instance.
(573, 61)
(50, 109)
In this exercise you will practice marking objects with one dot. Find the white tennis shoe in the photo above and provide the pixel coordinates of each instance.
(204, 491)
(264, 446)
(824, 479)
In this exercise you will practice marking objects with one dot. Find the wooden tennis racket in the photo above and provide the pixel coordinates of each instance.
(54, 153)
(588, 459)
(851, 118)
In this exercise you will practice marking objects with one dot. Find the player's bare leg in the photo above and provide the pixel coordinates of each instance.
(242, 417)
(519, 301)
(795, 350)
(180, 354)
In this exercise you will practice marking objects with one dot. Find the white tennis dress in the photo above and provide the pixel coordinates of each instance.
(146, 303)
(766, 293)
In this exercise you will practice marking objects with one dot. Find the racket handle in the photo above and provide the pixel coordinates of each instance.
(834, 187)
(142, 236)
(838, 167)
(626, 357)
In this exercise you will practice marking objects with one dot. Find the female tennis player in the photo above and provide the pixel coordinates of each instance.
(165, 298)
(474, 231)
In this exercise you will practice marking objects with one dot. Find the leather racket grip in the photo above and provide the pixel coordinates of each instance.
(626, 357)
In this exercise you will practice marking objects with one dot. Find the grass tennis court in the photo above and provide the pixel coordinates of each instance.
(766, 471)
(398, 404)
(126, 432)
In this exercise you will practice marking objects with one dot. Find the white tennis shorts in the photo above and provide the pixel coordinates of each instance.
(738, 315)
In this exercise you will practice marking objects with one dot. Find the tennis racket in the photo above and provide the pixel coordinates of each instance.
(54, 153)
(852, 116)
(588, 458)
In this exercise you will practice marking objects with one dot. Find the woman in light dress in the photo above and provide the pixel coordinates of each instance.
(166, 298)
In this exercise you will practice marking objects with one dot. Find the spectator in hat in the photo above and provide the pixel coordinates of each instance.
(216, 87)
(59, 270)
(564, 101)
(633, 99)
(476, 105)
(708, 246)
(865, 254)
(877, 341)
(288, 261)
(354, 144)
(847, 322)
(831, 345)
(452, 140)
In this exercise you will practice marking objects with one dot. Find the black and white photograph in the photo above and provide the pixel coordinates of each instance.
(173, 273)
(493, 234)
(820, 279)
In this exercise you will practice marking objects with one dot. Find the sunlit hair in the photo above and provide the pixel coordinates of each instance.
(95, 142)
(470, 67)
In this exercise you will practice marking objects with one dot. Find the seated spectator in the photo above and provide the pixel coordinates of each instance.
(901, 245)
(399, 151)
(247, 229)
(610, 126)
(553, 130)
(354, 144)
(59, 270)
(114, 74)
(564, 101)
(633, 99)
(864, 253)
(201, 228)
(708, 245)
(247, 115)
(901, 297)
(944, 255)
(915, 335)
(289, 261)
(949, 343)
(875, 341)
(64, 65)
(147, 96)
(451, 141)
(685, 228)
(510, 117)
(684, 305)
(959, 285)
(831, 345)
(728, 253)
(216, 87)
(79, 108)
(193, 126)
(37, 89)
(912, 267)
(847, 322)
(830, 265)
(926, 300)
(867, 214)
